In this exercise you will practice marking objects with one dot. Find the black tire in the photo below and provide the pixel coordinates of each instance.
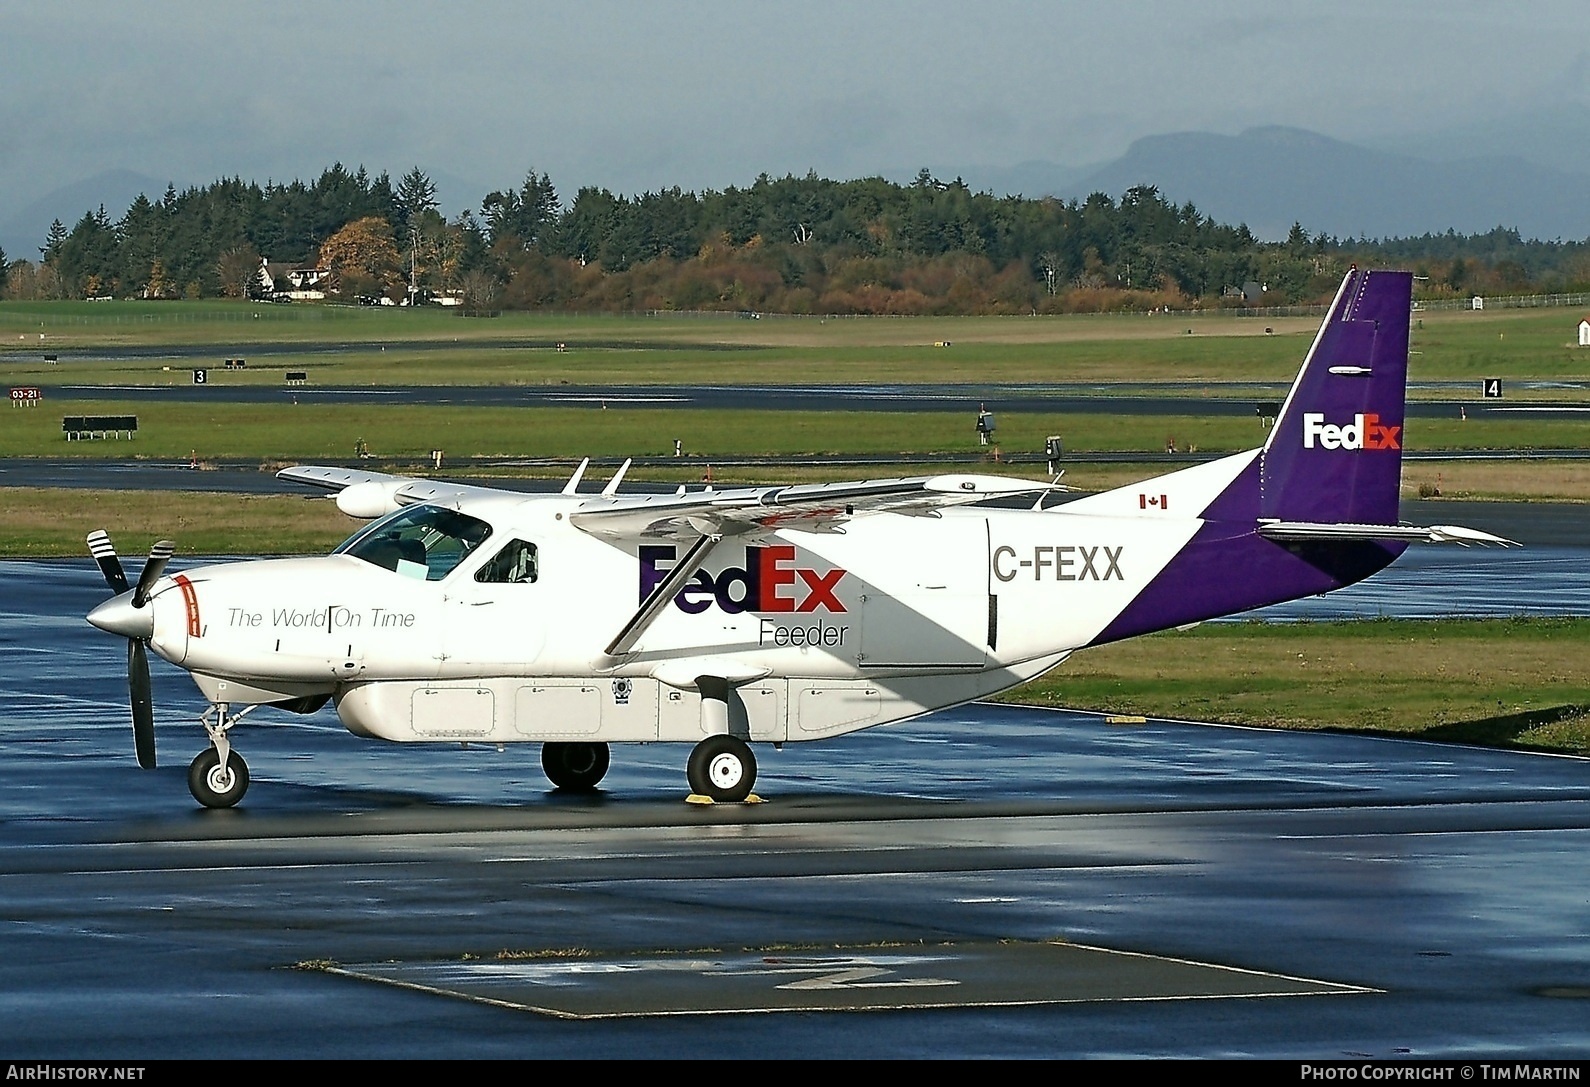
(212, 788)
(577, 767)
(723, 768)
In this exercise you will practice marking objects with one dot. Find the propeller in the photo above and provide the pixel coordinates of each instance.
(126, 614)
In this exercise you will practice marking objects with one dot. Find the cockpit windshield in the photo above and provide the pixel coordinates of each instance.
(422, 542)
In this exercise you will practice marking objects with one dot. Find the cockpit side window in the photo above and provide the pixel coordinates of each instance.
(516, 564)
(422, 542)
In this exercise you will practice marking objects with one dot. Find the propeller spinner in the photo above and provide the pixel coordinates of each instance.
(128, 614)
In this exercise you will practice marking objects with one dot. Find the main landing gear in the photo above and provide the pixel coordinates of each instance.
(218, 776)
(722, 769)
(576, 767)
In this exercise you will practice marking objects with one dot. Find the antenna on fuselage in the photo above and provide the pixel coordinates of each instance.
(579, 474)
(1054, 485)
(618, 477)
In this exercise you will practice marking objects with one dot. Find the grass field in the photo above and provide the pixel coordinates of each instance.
(1503, 683)
(43, 523)
(519, 348)
(297, 431)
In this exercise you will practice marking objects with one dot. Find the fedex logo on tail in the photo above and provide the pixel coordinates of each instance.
(1364, 432)
(768, 582)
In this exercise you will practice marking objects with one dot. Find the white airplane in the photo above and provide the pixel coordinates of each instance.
(766, 615)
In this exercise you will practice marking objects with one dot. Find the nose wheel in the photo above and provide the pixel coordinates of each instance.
(722, 769)
(218, 776)
(215, 785)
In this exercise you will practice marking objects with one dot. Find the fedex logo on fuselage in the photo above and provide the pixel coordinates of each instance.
(1364, 432)
(769, 581)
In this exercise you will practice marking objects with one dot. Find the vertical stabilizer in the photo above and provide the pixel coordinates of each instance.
(1335, 453)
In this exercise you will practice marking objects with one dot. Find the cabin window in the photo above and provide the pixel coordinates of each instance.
(421, 542)
(515, 564)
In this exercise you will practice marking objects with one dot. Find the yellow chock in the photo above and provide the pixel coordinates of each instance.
(1125, 719)
(697, 798)
(752, 798)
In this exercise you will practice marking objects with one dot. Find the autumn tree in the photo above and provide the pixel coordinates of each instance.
(480, 293)
(159, 285)
(238, 270)
(363, 258)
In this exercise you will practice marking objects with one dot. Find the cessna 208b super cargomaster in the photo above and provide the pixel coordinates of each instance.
(726, 618)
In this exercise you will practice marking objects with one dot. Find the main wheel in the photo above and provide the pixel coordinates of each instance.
(577, 767)
(723, 768)
(215, 786)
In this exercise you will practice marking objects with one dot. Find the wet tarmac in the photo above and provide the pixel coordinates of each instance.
(988, 881)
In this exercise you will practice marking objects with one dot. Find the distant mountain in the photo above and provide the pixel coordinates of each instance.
(1272, 177)
(1555, 135)
(23, 232)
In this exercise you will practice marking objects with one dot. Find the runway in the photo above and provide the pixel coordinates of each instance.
(1059, 398)
(988, 881)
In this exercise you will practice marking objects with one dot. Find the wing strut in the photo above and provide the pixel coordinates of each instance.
(666, 590)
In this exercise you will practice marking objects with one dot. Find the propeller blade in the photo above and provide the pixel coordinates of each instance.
(99, 546)
(143, 708)
(159, 555)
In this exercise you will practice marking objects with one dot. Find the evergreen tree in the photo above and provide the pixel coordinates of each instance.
(51, 251)
(524, 216)
(142, 233)
(89, 258)
(416, 196)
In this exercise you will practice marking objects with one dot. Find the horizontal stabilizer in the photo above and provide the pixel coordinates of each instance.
(1309, 530)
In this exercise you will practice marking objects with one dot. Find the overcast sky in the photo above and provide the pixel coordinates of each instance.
(703, 94)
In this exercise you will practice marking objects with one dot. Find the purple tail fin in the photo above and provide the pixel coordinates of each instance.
(1335, 453)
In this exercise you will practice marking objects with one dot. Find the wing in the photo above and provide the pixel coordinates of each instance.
(375, 494)
(815, 507)
(332, 479)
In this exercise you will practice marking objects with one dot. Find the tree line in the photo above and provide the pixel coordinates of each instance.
(791, 244)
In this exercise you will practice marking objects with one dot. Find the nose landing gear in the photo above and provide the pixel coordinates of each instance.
(218, 776)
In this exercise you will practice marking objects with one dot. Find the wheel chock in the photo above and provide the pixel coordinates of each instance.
(697, 798)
